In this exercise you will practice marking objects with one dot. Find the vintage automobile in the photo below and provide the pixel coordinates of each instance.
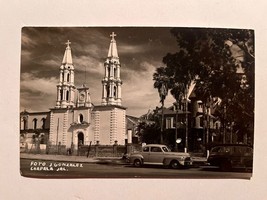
(227, 157)
(157, 154)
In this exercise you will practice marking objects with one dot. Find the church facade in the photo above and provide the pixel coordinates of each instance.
(74, 120)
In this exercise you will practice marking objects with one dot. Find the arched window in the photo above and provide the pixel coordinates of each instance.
(115, 72)
(107, 88)
(67, 95)
(42, 139)
(61, 95)
(43, 121)
(68, 77)
(62, 75)
(108, 71)
(24, 123)
(34, 123)
(115, 92)
(80, 118)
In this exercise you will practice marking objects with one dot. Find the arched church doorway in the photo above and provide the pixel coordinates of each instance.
(80, 139)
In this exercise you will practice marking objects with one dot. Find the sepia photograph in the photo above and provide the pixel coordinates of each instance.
(133, 100)
(137, 102)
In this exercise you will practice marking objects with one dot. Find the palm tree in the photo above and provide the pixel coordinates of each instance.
(161, 83)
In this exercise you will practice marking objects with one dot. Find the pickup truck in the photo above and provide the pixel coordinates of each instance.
(158, 154)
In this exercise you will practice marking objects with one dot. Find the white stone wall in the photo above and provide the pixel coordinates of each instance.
(86, 113)
(104, 127)
(121, 126)
(109, 125)
(57, 128)
(65, 126)
(96, 125)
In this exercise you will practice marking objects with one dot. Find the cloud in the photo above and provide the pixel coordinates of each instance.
(88, 63)
(51, 63)
(25, 56)
(41, 85)
(131, 49)
(26, 41)
(141, 95)
(33, 102)
(37, 94)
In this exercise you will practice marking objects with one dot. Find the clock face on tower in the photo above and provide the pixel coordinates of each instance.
(82, 97)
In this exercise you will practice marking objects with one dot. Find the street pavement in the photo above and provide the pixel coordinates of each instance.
(197, 160)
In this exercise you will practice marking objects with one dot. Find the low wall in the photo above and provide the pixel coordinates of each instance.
(84, 150)
(43, 149)
(101, 151)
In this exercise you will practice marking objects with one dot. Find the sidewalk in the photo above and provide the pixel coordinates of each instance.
(66, 158)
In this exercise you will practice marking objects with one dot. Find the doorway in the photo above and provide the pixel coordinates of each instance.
(80, 139)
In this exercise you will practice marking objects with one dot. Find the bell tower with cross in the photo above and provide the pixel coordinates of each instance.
(110, 116)
(111, 83)
(65, 87)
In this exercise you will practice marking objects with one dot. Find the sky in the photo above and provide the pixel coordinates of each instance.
(140, 50)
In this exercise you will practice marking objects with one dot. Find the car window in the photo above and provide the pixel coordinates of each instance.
(242, 150)
(222, 149)
(156, 149)
(165, 149)
(232, 149)
(216, 149)
(146, 149)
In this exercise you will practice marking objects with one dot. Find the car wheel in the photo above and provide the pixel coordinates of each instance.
(174, 164)
(137, 163)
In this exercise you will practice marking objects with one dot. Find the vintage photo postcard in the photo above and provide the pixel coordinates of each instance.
(137, 102)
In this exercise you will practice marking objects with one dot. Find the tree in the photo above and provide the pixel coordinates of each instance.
(149, 132)
(211, 58)
(161, 83)
(149, 129)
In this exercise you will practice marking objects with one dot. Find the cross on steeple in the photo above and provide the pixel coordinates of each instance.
(112, 36)
(68, 43)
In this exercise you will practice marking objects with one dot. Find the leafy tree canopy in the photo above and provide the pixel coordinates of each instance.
(220, 62)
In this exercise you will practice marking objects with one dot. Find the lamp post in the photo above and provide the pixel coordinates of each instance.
(176, 125)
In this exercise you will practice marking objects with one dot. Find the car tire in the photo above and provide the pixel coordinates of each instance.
(174, 164)
(137, 163)
(225, 166)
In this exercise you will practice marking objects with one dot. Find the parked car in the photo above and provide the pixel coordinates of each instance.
(230, 156)
(157, 154)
